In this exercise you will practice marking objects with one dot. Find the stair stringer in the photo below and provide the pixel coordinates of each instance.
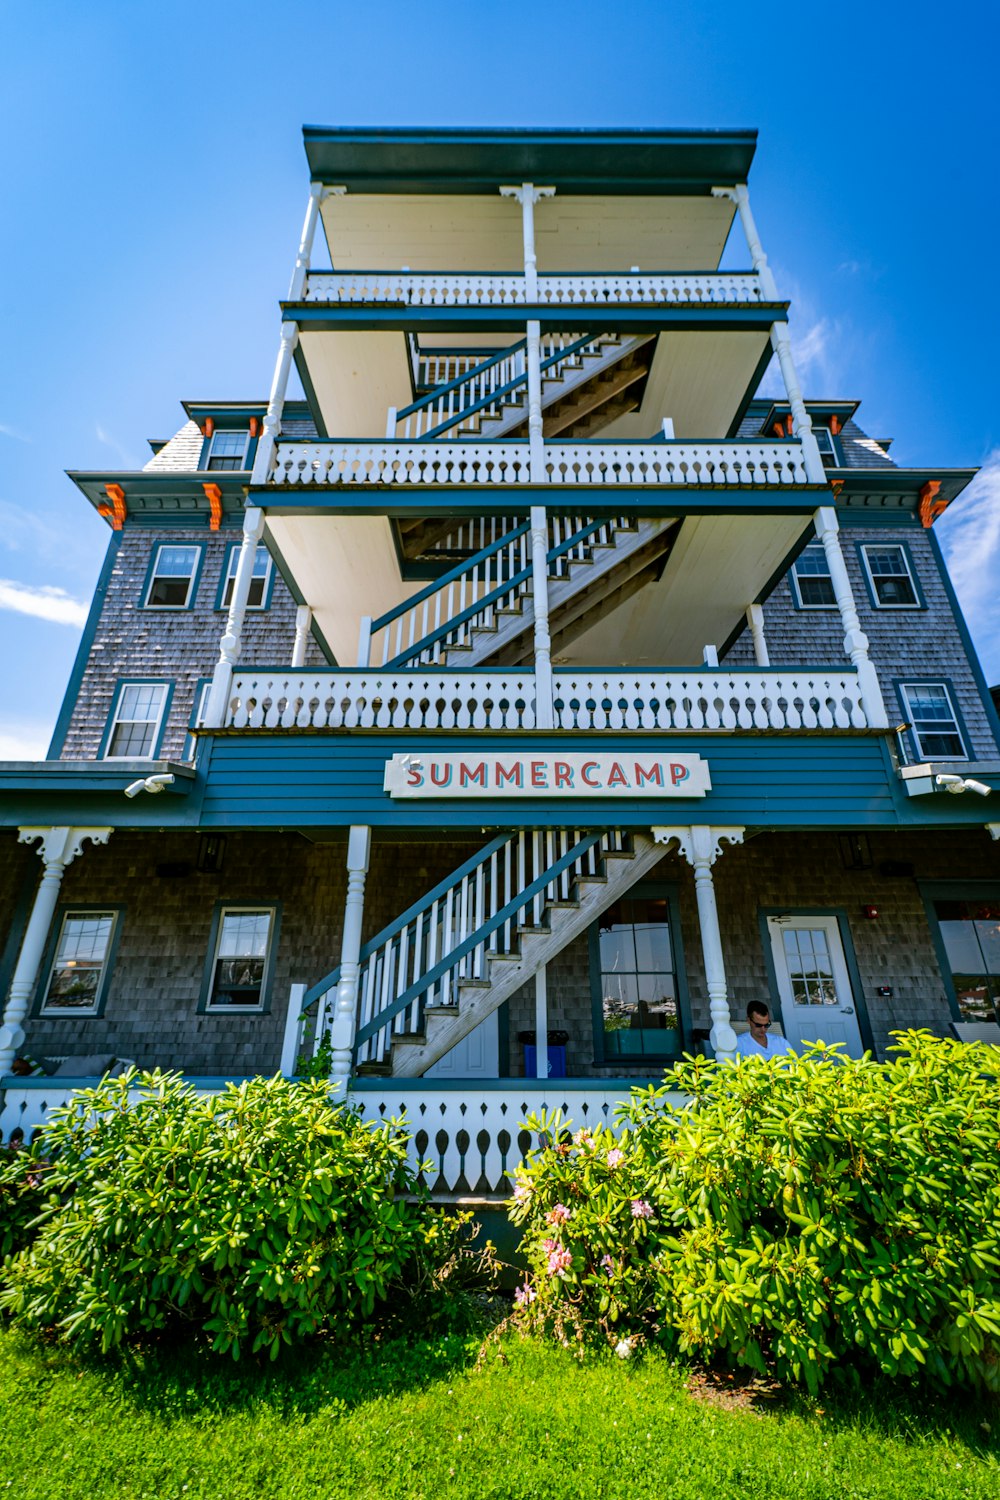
(413, 1056)
(486, 642)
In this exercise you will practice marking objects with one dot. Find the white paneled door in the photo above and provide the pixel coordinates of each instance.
(817, 1003)
(475, 1056)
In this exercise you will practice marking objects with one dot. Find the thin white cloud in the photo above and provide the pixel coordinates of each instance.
(12, 432)
(45, 603)
(970, 538)
(110, 441)
(24, 740)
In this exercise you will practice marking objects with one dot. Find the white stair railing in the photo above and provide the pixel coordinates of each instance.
(478, 913)
(481, 393)
(443, 616)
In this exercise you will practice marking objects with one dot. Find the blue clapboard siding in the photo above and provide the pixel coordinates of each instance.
(319, 781)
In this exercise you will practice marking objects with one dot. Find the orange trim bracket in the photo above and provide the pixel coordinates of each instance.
(835, 425)
(116, 511)
(207, 427)
(254, 426)
(930, 506)
(214, 496)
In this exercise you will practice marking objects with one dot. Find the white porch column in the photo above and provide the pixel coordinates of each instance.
(544, 717)
(755, 619)
(317, 194)
(229, 646)
(528, 195)
(275, 404)
(701, 847)
(541, 1024)
(855, 640)
(780, 342)
(344, 1018)
(303, 624)
(58, 848)
(993, 829)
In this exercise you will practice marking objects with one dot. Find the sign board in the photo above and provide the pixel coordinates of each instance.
(530, 773)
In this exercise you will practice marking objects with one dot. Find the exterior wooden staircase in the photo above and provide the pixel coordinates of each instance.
(434, 974)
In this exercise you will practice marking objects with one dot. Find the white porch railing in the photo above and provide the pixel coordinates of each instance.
(728, 465)
(473, 1134)
(486, 289)
(814, 698)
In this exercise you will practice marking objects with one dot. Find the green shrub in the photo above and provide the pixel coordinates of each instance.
(799, 1213)
(259, 1215)
(23, 1189)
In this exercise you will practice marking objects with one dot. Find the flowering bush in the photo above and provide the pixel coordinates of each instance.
(258, 1215)
(790, 1215)
(23, 1190)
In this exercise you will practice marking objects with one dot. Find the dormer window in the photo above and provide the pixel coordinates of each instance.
(827, 447)
(227, 449)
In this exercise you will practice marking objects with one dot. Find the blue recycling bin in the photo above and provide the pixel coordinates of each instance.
(557, 1053)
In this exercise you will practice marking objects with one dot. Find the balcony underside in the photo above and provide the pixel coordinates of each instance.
(700, 378)
(719, 564)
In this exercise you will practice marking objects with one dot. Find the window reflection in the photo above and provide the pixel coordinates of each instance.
(638, 983)
(970, 931)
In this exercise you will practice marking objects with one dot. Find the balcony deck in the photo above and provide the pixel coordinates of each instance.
(489, 289)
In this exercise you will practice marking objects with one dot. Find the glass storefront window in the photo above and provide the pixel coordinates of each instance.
(970, 931)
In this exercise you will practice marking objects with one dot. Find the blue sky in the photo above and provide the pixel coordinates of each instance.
(155, 184)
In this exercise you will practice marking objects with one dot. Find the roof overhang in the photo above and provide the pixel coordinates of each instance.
(584, 161)
(161, 495)
(90, 794)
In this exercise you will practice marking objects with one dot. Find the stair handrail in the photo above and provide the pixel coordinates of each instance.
(503, 390)
(475, 939)
(479, 605)
(452, 576)
(452, 385)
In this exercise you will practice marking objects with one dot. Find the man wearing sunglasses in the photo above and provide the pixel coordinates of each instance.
(759, 1041)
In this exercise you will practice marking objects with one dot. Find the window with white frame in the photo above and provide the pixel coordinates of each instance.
(811, 579)
(228, 449)
(78, 969)
(239, 965)
(135, 725)
(257, 597)
(933, 721)
(827, 449)
(171, 581)
(889, 573)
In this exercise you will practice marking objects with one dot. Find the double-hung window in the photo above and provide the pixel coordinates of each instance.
(79, 967)
(136, 720)
(241, 961)
(228, 449)
(172, 577)
(811, 581)
(933, 721)
(827, 447)
(889, 575)
(636, 979)
(257, 598)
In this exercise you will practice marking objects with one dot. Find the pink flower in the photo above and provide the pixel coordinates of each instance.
(641, 1209)
(607, 1264)
(559, 1260)
(615, 1157)
(522, 1191)
(549, 1245)
(524, 1295)
(583, 1138)
(559, 1214)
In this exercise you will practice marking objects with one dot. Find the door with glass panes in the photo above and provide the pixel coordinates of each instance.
(817, 1003)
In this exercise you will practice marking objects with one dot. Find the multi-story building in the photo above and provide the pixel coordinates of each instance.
(534, 675)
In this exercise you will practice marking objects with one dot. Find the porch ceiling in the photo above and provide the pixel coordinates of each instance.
(446, 232)
(718, 565)
(699, 378)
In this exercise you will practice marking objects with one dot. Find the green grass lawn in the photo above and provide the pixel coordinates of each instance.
(419, 1419)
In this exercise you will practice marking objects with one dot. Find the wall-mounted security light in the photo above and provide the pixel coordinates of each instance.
(960, 784)
(150, 784)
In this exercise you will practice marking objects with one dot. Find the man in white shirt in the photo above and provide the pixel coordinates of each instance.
(758, 1042)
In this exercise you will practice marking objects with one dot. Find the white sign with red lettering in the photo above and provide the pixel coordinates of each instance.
(539, 773)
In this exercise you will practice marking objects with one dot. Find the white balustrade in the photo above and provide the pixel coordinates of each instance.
(475, 1136)
(276, 698)
(724, 465)
(601, 289)
(714, 699)
(700, 699)
(728, 465)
